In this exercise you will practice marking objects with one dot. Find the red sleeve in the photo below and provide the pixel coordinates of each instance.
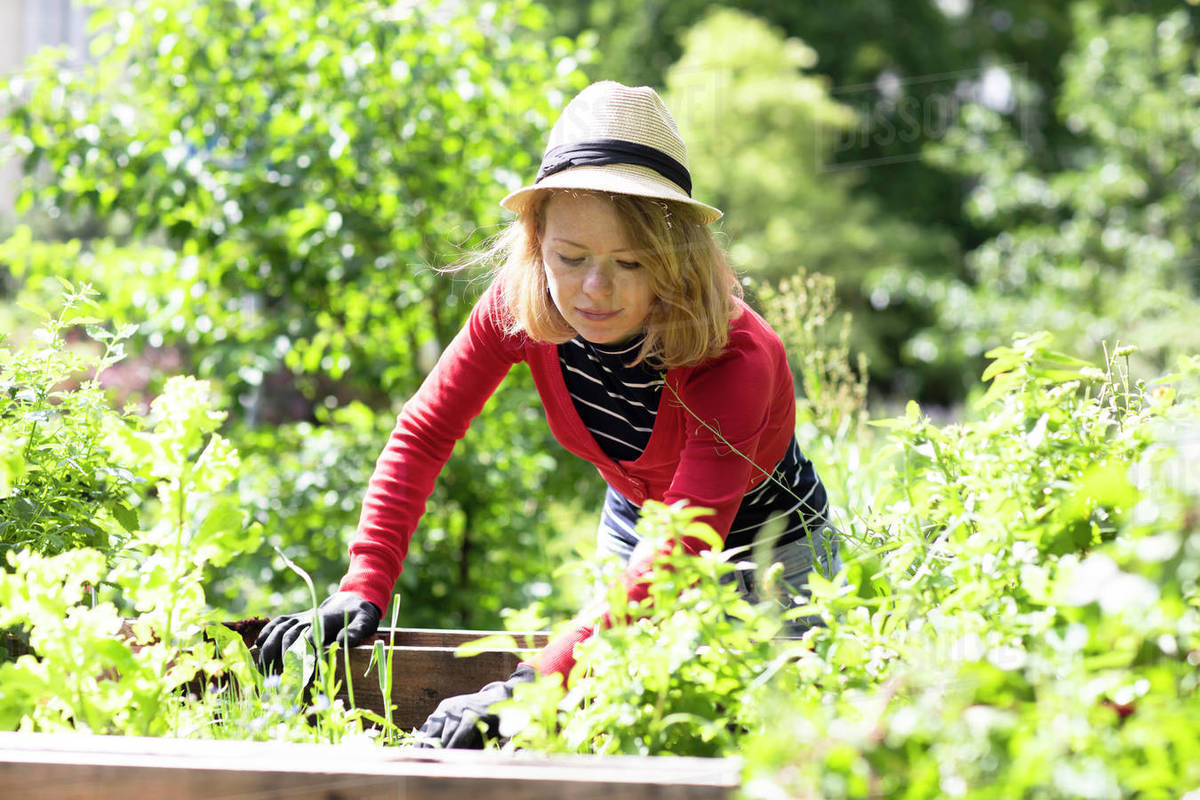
(735, 409)
(729, 409)
(430, 423)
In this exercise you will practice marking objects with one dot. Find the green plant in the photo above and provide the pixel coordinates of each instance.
(673, 674)
(92, 668)
(60, 487)
(1026, 623)
(121, 639)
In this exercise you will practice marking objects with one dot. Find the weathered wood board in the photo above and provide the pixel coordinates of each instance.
(425, 669)
(73, 767)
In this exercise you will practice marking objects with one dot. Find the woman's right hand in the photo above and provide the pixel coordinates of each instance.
(345, 618)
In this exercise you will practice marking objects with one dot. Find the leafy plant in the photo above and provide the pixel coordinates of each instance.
(91, 668)
(673, 674)
(119, 634)
(60, 487)
(1030, 605)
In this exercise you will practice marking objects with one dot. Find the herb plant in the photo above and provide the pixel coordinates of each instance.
(60, 486)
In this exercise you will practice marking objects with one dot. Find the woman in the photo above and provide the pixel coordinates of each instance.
(614, 291)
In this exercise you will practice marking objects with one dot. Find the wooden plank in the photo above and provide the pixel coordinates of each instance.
(424, 667)
(422, 675)
(410, 637)
(436, 637)
(71, 766)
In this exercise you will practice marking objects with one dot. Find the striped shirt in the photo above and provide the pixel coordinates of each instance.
(618, 404)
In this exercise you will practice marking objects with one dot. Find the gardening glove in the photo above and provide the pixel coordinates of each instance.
(345, 618)
(456, 722)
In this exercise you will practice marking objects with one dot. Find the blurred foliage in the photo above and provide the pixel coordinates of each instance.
(301, 167)
(284, 178)
(931, 51)
(1106, 244)
(761, 130)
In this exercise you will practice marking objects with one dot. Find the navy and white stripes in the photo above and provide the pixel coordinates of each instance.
(617, 403)
(791, 503)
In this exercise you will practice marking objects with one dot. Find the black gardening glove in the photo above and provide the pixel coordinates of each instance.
(456, 721)
(345, 618)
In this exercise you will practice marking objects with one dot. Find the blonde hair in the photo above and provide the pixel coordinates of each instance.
(693, 284)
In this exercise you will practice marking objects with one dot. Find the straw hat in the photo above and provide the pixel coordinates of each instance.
(619, 139)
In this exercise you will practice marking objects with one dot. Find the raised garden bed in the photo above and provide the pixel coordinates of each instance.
(425, 669)
(70, 766)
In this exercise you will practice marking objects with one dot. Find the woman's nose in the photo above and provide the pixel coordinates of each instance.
(598, 280)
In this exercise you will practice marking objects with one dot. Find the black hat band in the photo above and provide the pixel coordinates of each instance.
(598, 152)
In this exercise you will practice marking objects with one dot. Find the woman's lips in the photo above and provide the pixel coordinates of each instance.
(597, 316)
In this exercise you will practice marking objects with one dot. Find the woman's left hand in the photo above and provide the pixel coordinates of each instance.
(456, 722)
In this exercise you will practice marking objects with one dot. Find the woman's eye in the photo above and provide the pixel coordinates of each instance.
(629, 264)
(572, 261)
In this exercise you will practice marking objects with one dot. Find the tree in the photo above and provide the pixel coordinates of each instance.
(303, 164)
(1105, 246)
(761, 130)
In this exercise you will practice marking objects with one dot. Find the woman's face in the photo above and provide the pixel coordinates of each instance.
(593, 270)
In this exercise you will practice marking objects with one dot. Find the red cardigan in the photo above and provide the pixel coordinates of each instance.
(746, 394)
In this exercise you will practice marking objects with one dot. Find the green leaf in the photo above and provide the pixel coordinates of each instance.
(486, 644)
(126, 516)
(222, 534)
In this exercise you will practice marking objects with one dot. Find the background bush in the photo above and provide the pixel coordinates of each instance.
(1102, 245)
